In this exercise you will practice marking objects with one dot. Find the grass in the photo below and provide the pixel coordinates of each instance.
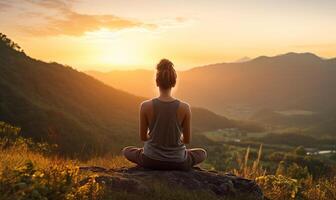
(30, 175)
(108, 161)
(282, 187)
(30, 172)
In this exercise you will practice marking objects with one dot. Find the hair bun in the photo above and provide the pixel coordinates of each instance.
(166, 74)
(165, 64)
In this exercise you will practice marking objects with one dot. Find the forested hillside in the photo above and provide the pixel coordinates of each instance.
(58, 104)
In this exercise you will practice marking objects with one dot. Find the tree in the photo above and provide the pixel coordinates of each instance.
(9, 43)
(300, 150)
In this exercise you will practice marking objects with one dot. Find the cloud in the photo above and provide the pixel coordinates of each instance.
(53, 4)
(4, 5)
(75, 24)
(72, 23)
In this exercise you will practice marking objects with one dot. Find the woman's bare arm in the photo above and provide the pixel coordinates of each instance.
(143, 122)
(186, 126)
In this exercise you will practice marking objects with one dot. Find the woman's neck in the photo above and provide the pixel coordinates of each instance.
(165, 95)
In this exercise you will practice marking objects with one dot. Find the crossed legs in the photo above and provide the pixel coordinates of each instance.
(135, 155)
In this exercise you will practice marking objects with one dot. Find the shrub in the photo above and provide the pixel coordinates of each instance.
(278, 187)
(10, 137)
(292, 170)
(321, 189)
(276, 156)
(54, 182)
(300, 150)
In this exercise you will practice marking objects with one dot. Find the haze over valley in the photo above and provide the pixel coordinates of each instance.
(288, 90)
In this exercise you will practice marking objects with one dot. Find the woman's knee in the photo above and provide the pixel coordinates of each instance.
(200, 151)
(198, 155)
(133, 154)
(203, 153)
(127, 151)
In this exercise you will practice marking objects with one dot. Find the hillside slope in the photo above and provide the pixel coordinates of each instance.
(58, 104)
(288, 81)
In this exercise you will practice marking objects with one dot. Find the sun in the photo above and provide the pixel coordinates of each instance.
(115, 48)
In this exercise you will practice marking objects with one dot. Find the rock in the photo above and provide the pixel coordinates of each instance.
(133, 179)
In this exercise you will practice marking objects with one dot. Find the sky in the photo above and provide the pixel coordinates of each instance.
(105, 35)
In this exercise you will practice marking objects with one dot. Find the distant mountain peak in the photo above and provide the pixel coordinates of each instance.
(243, 59)
(294, 54)
(290, 57)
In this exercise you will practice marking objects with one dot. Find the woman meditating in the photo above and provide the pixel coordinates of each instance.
(165, 128)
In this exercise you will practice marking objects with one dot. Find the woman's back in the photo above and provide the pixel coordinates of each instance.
(165, 129)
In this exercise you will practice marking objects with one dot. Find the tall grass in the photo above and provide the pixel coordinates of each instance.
(27, 172)
(281, 187)
(249, 169)
(28, 175)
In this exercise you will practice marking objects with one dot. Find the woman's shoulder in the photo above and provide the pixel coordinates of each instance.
(184, 105)
(146, 103)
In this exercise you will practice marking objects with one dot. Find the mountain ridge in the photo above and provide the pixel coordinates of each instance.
(290, 81)
(279, 57)
(58, 104)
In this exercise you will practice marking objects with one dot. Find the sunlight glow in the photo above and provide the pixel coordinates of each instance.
(103, 36)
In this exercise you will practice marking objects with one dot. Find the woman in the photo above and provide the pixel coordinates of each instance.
(165, 128)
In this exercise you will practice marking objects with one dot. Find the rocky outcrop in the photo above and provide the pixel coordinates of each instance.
(135, 179)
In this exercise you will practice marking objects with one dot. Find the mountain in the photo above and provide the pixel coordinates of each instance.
(57, 104)
(289, 81)
(314, 124)
(243, 59)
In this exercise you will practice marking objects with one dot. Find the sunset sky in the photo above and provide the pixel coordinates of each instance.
(106, 34)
